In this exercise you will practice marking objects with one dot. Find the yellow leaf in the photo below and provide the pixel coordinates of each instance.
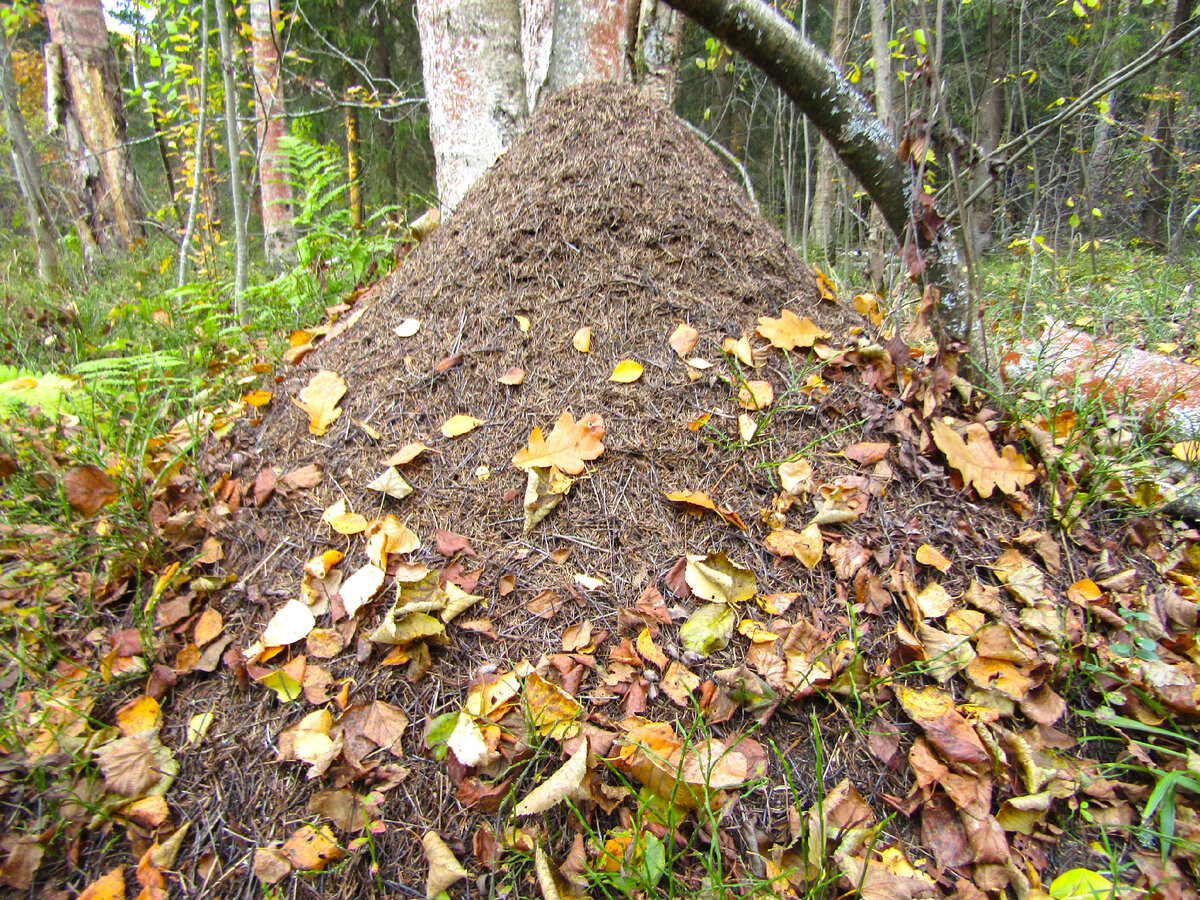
(311, 849)
(406, 454)
(1188, 451)
(582, 341)
(931, 556)
(827, 288)
(546, 486)
(626, 372)
(291, 623)
(457, 426)
(790, 331)
(319, 399)
(551, 709)
(650, 651)
(714, 577)
(756, 395)
(683, 339)
(523, 323)
(444, 867)
(284, 682)
(747, 427)
(257, 398)
(806, 546)
(141, 714)
(348, 523)
(198, 725)
(308, 740)
(564, 783)
(977, 461)
(756, 631)
(392, 483)
(695, 502)
(569, 445)
(739, 349)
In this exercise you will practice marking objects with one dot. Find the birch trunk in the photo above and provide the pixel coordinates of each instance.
(84, 100)
(882, 53)
(237, 199)
(474, 84)
(29, 174)
(656, 51)
(271, 127)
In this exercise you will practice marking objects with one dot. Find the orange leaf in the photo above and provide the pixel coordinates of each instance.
(582, 341)
(931, 556)
(756, 395)
(695, 502)
(977, 461)
(683, 339)
(319, 398)
(569, 445)
(790, 331)
(108, 887)
(866, 453)
(88, 489)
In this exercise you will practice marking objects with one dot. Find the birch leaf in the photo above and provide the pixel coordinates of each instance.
(683, 339)
(708, 629)
(714, 577)
(291, 623)
(444, 867)
(562, 784)
(457, 426)
(627, 371)
(392, 483)
(360, 587)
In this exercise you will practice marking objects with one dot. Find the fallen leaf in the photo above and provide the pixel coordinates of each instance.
(627, 371)
(198, 725)
(308, 741)
(349, 523)
(977, 461)
(806, 546)
(88, 489)
(714, 577)
(1080, 884)
(544, 489)
(311, 849)
(582, 341)
(756, 395)
(448, 543)
(796, 476)
(790, 331)
(683, 339)
(271, 866)
(344, 808)
(708, 629)
(931, 556)
(136, 765)
(512, 377)
(406, 454)
(457, 426)
(291, 623)
(552, 711)
(107, 887)
(407, 328)
(695, 502)
(392, 483)
(444, 867)
(563, 784)
(302, 478)
(208, 627)
(944, 726)
(137, 715)
(23, 858)
(867, 453)
(319, 398)
(567, 447)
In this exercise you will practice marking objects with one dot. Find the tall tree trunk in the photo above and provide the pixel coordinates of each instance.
(656, 50)
(237, 200)
(279, 236)
(568, 42)
(1162, 152)
(882, 53)
(189, 228)
(989, 121)
(474, 84)
(353, 162)
(29, 174)
(824, 211)
(84, 96)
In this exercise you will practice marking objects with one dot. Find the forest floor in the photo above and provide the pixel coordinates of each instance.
(603, 549)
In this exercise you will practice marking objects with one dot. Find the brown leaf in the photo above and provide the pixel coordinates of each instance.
(448, 543)
(867, 453)
(946, 729)
(271, 866)
(696, 502)
(567, 447)
(319, 398)
(683, 339)
(264, 485)
(545, 604)
(304, 477)
(88, 489)
(512, 377)
(444, 867)
(24, 856)
(133, 765)
(977, 461)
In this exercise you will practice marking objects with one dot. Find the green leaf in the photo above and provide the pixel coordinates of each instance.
(708, 629)
(1080, 884)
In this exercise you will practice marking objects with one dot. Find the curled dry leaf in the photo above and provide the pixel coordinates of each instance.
(444, 867)
(714, 577)
(564, 783)
(626, 371)
(457, 426)
(88, 489)
(696, 502)
(569, 445)
(790, 331)
(319, 398)
(545, 487)
(291, 623)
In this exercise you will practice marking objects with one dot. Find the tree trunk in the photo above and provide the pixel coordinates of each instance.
(882, 53)
(29, 174)
(656, 51)
(84, 98)
(271, 128)
(989, 120)
(824, 210)
(237, 200)
(1162, 152)
(353, 162)
(861, 141)
(474, 84)
(189, 228)
(568, 42)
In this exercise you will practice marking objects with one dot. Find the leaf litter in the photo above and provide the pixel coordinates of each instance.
(947, 625)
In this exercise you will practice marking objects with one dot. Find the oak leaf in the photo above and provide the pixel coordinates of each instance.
(567, 447)
(790, 331)
(319, 398)
(977, 461)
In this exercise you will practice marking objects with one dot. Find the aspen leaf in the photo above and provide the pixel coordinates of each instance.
(319, 398)
(626, 371)
(392, 483)
(552, 711)
(457, 426)
(708, 629)
(790, 331)
(458, 601)
(311, 849)
(512, 377)
(931, 556)
(582, 341)
(444, 867)
(756, 395)
(291, 623)
(567, 447)
(714, 577)
(407, 328)
(406, 454)
(683, 339)
(564, 783)
(977, 461)
(137, 715)
(349, 523)
(286, 682)
(806, 546)
(257, 398)
(88, 489)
